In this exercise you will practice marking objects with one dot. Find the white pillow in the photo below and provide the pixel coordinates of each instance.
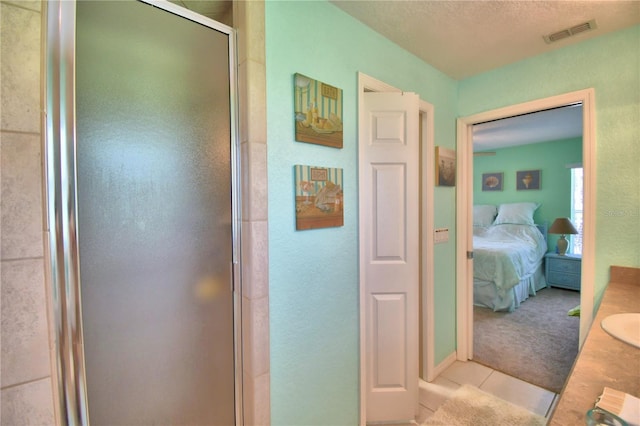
(516, 213)
(483, 214)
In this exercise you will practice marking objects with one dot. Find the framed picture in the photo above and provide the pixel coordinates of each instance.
(492, 181)
(317, 112)
(319, 197)
(527, 179)
(445, 167)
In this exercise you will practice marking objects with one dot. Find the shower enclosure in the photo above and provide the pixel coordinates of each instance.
(142, 214)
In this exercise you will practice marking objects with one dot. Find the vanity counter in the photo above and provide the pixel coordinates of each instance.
(603, 359)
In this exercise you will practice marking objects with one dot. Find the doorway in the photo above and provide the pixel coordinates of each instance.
(143, 214)
(465, 203)
(534, 339)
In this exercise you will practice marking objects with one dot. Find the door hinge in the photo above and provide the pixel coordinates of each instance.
(470, 255)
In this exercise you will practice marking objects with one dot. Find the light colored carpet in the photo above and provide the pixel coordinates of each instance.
(471, 406)
(537, 342)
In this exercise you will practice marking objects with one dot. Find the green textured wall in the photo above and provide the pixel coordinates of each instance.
(609, 64)
(551, 158)
(313, 275)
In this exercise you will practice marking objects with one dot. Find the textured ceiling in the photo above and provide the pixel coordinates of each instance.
(464, 38)
(543, 126)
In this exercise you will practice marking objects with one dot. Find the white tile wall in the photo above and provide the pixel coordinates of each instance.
(25, 348)
(255, 318)
(20, 51)
(29, 404)
(249, 22)
(26, 394)
(21, 195)
(255, 247)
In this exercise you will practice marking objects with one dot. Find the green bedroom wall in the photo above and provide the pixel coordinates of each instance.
(609, 64)
(313, 274)
(551, 158)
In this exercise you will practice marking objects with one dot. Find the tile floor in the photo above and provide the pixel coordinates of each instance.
(523, 394)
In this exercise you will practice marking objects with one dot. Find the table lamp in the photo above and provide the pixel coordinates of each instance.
(563, 226)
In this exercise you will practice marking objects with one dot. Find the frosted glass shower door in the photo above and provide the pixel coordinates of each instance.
(155, 216)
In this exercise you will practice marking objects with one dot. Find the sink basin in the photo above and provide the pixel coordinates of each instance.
(625, 327)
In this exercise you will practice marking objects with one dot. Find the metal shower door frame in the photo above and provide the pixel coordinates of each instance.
(60, 201)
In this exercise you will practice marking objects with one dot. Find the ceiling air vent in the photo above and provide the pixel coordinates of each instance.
(576, 29)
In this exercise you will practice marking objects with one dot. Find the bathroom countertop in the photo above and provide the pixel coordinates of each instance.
(603, 359)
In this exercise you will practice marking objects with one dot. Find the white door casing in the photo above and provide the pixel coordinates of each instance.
(389, 211)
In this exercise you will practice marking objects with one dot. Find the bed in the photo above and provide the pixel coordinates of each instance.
(508, 252)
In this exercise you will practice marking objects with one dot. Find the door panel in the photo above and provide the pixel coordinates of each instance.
(389, 240)
(389, 316)
(155, 233)
(390, 213)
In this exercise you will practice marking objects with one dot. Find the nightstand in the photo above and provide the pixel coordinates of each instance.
(563, 271)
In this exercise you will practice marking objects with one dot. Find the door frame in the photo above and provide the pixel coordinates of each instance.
(427, 179)
(61, 259)
(464, 217)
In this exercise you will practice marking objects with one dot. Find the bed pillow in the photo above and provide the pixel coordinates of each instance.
(483, 214)
(516, 213)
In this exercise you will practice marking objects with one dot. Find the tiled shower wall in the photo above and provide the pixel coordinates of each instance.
(25, 368)
(249, 22)
(25, 352)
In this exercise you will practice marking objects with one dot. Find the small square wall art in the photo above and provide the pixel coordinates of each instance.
(492, 181)
(527, 179)
(445, 167)
(317, 112)
(318, 197)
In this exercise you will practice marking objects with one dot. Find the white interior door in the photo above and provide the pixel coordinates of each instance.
(389, 214)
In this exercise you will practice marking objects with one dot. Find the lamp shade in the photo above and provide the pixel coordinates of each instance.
(562, 225)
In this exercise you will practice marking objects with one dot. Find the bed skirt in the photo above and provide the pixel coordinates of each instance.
(485, 293)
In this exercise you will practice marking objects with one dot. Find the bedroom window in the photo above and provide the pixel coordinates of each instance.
(576, 209)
